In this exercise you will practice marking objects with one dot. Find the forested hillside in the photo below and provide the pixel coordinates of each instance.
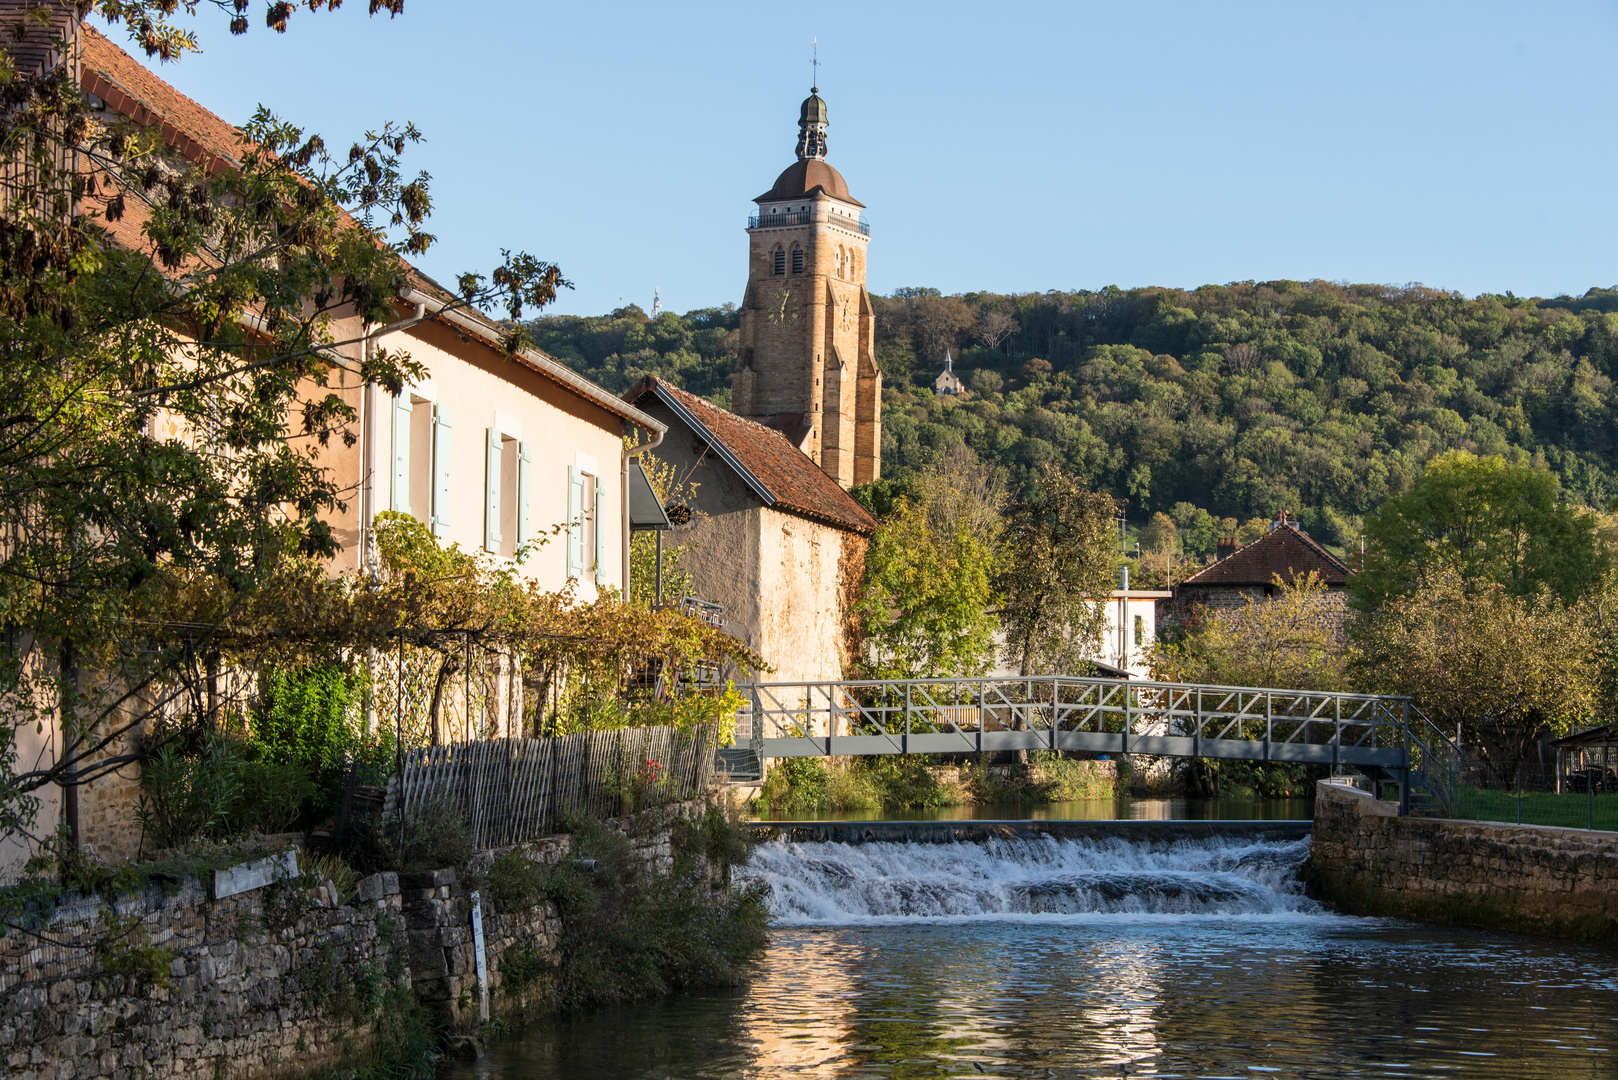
(1241, 400)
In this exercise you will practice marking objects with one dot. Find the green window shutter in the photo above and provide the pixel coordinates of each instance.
(441, 430)
(401, 454)
(601, 532)
(491, 495)
(525, 472)
(575, 522)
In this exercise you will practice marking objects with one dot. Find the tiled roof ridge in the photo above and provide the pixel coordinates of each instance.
(176, 131)
(1296, 531)
(787, 496)
(688, 398)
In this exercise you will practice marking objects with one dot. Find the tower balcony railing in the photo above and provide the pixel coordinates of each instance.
(805, 217)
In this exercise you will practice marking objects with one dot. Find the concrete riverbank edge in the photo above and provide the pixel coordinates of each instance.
(1366, 860)
(284, 978)
(970, 832)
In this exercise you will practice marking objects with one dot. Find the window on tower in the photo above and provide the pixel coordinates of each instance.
(797, 260)
(780, 261)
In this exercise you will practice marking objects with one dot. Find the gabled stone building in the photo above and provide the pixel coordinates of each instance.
(1249, 573)
(777, 541)
(808, 332)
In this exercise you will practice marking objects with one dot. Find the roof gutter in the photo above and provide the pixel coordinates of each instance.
(540, 362)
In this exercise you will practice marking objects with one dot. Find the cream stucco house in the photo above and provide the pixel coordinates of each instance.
(491, 451)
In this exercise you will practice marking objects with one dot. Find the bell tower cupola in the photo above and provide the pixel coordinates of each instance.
(808, 333)
(812, 127)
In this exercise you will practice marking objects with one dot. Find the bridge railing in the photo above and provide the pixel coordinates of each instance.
(1094, 714)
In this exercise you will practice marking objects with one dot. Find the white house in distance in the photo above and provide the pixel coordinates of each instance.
(1121, 652)
(1131, 630)
(948, 382)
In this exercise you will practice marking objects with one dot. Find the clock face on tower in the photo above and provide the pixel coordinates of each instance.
(783, 307)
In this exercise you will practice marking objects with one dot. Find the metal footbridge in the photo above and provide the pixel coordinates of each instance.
(1385, 737)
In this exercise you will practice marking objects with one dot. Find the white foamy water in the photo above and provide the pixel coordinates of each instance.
(1029, 878)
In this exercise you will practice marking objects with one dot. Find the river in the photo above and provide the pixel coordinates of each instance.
(1070, 958)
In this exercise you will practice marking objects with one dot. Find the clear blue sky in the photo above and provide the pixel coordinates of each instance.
(1009, 147)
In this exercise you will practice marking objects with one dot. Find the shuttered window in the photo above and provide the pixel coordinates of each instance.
(600, 530)
(780, 261)
(575, 522)
(441, 470)
(525, 473)
(491, 494)
(400, 494)
(797, 260)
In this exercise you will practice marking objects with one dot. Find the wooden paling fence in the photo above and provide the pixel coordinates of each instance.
(511, 790)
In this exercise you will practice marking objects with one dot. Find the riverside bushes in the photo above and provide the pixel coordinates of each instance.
(631, 932)
(915, 781)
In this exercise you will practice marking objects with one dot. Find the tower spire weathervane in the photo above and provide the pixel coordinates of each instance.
(812, 120)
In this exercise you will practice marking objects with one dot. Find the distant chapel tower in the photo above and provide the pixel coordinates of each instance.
(808, 363)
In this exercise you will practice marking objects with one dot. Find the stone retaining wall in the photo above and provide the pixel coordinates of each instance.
(1366, 860)
(274, 980)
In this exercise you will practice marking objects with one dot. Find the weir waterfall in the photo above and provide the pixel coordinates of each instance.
(1034, 876)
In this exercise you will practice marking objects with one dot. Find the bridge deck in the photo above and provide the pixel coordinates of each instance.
(1102, 716)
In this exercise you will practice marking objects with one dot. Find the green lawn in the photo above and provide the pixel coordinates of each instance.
(1572, 810)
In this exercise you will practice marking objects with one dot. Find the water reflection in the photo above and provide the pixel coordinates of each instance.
(1315, 996)
(1079, 810)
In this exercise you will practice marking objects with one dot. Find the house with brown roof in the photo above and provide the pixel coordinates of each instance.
(775, 540)
(488, 449)
(1249, 574)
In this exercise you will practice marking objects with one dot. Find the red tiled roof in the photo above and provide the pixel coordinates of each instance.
(763, 458)
(132, 90)
(1285, 550)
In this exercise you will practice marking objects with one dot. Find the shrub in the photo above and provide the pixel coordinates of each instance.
(273, 795)
(186, 797)
(515, 881)
(432, 838)
(719, 835)
(796, 784)
(629, 933)
(1064, 779)
(308, 716)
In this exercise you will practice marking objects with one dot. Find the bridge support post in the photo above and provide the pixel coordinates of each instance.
(1404, 773)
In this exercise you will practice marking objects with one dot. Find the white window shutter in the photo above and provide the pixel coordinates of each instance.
(441, 470)
(401, 454)
(525, 472)
(601, 532)
(491, 495)
(575, 521)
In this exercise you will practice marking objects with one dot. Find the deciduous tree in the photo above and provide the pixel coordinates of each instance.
(168, 398)
(1486, 521)
(1056, 556)
(1293, 640)
(1469, 651)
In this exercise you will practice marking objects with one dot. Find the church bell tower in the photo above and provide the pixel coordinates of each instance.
(808, 342)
